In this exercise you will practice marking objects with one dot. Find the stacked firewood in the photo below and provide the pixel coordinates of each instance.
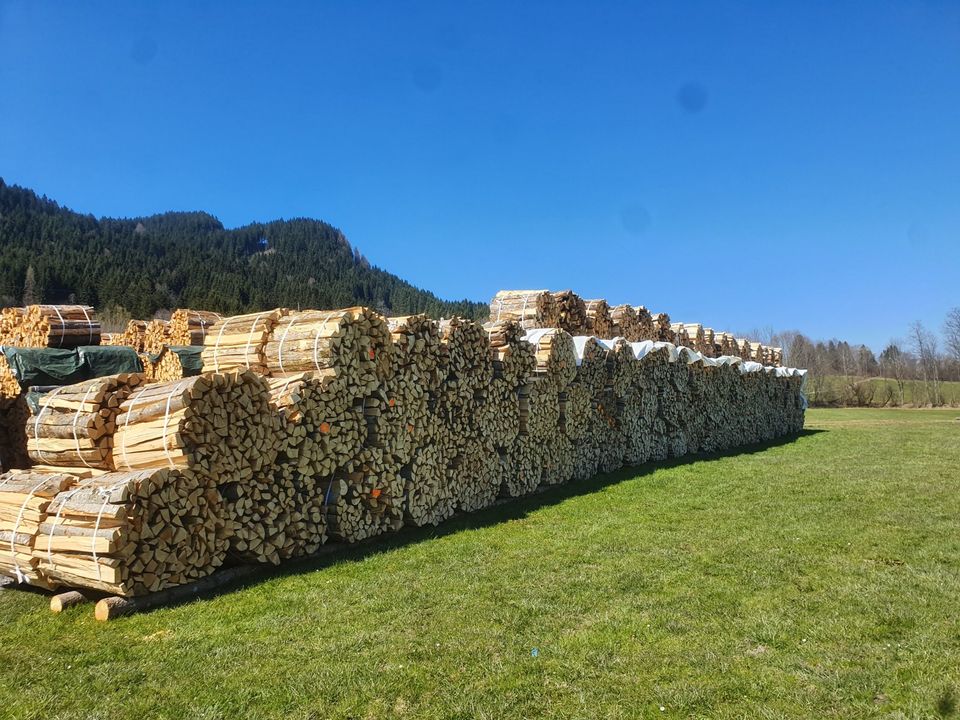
(239, 342)
(132, 336)
(131, 533)
(156, 335)
(531, 308)
(599, 322)
(11, 326)
(709, 343)
(571, 312)
(73, 425)
(13, 420)
(59, 326)
(365, 497)
(25, 498)
(556, 357)
(626, 324)
(191, 327)
(649, 330)
(163, 367)
(663, 328)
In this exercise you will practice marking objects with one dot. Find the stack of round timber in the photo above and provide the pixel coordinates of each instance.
(60, 326)
(364, 497)
(132, 533)
(25, 498)
(322, 427)
(73, 426)
(531, 308)
(11, 326)
(349, 347)
(709, 348)
(238, 342)
(599, 322)
(571, 312)
(191, 327)
(626, 324)
(469, 364)
(164, 368)
(522, 467)
(427, 499)
(156, 335)
(648, 330)
(555, 355)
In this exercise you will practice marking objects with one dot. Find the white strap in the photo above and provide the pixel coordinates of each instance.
(105, 492)
(216, 346)
(16, 526)
(283, 339)
(500, 309)
(166, 419)
(89, 325)
(126, 424)
(36, 424)
(56, 521)
(246, 350)
(62, 322)
(316, 339)
(76, 416)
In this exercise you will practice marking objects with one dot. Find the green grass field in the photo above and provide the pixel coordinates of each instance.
(880, 392)
(818, 577)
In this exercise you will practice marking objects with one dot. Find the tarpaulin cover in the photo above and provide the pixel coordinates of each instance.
(62, 366)
(191, 359)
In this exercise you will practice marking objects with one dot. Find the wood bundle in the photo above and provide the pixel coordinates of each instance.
(427, 499)
(238, 342)
(599, 321)
(131, 533)
(621, 365)
(539, 407)
(756, 352)
(498, 412)
(592, 363)
(692, 335)
(222, 425)
(132, 336)
(663, 328)
(25, 498)
(365, 497)
(531, 308)
(416, 353)
(475, 475)
(156, 335)
(557, 461)
(11, 326)
(283, 515)
(469, 364)
(680, 335)
(571, 312)
(743, 349)
(514, 359)
(522, 467)
(73, 426)
(648, 328)
(726, 345)
(776, 357)
(349, 347)
(709, 343)
(191, 327)
(60, 326)
(555, 355)
(321, 426)
(626, 324)
(163, 367)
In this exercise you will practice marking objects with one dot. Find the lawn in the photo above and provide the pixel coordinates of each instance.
(816, 577)
(879, 392)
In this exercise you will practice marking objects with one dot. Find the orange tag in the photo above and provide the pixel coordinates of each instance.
(372, 354)
(391, 402)
(324, 427)
(375, 493)
(409, 428)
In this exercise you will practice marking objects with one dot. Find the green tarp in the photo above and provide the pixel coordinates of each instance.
(56, 366)
(190, 358)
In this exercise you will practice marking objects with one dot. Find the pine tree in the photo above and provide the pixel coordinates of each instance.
(30, 294)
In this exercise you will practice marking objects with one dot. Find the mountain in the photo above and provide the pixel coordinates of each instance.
(135, 267)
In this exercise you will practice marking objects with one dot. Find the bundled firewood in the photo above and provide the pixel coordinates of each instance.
(283, 515)
(365, 497)
(427, 499)
(539, 407)
(726, 345)
(498, 412)
(743, 349)
(163, 367)
(514, 359)
(321, 425)
(557, 460)
(648, 329)
(60, 326)
(555, 354)
(416, 351)
(709, 343)
(349, 347)
(73, 426)
(156, 335)
(191, 327)
(132, 336)
(11, 326)
(531, 308)
(238, 342)
(571, 312)
(131, 533)
(522, 467)
(626, 324)
(219, 424)
(663, 328)
(680, 335)
(475, 475)
(756, 352)
(469, 364)
(776, 357)
(599, 322)
(592, 363)
(25, 498)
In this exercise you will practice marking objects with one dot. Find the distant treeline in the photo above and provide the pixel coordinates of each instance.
(921, 370)
(137, 267)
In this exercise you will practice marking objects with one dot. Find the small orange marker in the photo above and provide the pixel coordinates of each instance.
(372, 354)
(392, 402)
(324, 427)
(375, 493)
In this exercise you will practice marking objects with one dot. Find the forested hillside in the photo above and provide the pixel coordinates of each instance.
(138, 266)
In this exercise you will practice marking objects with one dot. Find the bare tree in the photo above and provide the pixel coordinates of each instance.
(925, 345)
(951, 336)
(895, 365)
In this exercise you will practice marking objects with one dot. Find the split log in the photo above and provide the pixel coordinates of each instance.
(25, 498)
(155, 336)
(191, 327)
(365, 497)
(132, 533)
(238, 342)
(60, 326)
(531, 308)
(571, 312)
(599, 322)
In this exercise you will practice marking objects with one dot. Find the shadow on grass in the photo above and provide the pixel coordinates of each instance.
(504, 510)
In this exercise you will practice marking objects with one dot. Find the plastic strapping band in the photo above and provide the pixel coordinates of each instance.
(62, 323)
(36, 423)
(216, 347)
(89, 325)
(166, 420)
(56, 521)
(16, 526)
(246, 350)
(316, 338)
(126, 424)
(283, 339)
(105, 492)
(76, 417)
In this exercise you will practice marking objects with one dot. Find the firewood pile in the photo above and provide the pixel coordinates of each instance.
(164, 367)
(191, 327)
(663, 328)
(132, 336)
(11, 322)
(531, 308)
(156, 335)
(54, 326)
(343, 425)
(571, 311)
(599, 322)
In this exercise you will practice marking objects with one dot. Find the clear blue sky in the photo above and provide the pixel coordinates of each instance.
(794, 165)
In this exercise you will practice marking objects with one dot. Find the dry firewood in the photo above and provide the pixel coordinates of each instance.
(239, 341)
(530, 308)
(599, 322)
(61, 326)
